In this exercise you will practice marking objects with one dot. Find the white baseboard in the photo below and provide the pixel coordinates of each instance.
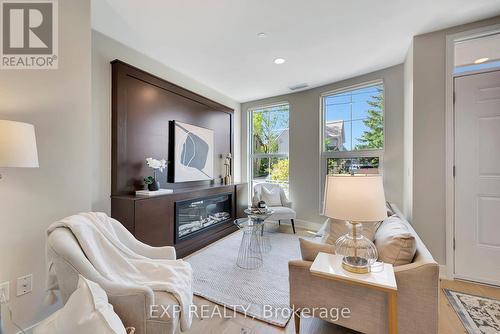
(304, 224)
(308, 225)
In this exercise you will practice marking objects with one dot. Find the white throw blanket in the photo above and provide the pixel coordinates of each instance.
(97, 236)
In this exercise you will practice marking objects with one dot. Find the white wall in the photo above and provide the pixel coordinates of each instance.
(104, 50)
(304, 150)
(73, 127)
(408, 135)
(57, 102)
(428, 207)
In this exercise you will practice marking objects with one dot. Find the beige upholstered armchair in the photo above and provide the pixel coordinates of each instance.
(131, 302)
(282, 208)
(417, 299)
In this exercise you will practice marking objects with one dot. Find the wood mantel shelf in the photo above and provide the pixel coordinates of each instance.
(178, 191)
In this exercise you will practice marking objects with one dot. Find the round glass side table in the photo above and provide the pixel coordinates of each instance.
(250, 253)
(259, 217)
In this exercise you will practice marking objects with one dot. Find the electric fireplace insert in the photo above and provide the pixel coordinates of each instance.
(196, 215)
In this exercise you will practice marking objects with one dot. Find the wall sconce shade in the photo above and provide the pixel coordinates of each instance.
(17, 145)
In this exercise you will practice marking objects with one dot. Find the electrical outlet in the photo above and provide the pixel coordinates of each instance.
(4, 292)
(24, 284)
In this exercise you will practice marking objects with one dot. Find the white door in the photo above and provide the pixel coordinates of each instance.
(477, 177)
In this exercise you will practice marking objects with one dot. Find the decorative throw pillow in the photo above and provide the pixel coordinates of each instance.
(86, 311)
(395, 243)
(336, 228)
(272, 196)
(310, 249)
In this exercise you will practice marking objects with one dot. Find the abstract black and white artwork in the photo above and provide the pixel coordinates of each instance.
(191, 152)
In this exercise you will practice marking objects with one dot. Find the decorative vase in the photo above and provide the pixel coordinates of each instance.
(155, 186)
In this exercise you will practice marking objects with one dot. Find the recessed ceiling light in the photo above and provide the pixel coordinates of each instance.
(481, 60)
(279, 61)
(261, 35)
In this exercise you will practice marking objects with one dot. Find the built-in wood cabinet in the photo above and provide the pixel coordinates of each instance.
(152, 219)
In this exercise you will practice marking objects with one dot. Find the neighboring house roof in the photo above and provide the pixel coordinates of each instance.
(283, 141)
(283, 133)
(335, 131)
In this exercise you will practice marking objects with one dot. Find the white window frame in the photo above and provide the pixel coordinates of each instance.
(252, 155)
(324, 155)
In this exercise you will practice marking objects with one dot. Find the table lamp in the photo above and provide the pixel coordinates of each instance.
(17, 149)
(17, 145)
(355, 199)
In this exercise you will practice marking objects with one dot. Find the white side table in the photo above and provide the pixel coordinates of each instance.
(330, 266)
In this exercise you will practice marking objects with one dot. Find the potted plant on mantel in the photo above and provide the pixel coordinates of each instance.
(151, 181)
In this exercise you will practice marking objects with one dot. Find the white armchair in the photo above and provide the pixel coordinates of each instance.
(282, 209)
(132, 303)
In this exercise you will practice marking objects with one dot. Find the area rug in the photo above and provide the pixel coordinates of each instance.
(261, 293)
(478, 314)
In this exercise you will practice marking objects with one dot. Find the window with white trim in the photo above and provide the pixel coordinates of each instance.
(269, 142)
(352, 140)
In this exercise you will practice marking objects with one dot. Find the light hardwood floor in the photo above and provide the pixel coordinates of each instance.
(449, 323)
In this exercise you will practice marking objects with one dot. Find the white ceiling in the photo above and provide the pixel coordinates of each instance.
(323, 41)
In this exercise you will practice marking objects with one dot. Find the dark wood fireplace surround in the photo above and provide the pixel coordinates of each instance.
(142, 105)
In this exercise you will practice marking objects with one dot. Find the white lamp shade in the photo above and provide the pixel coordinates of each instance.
(355, 198)
(17, 145)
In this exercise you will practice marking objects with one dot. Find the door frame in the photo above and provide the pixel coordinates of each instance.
(451, 39)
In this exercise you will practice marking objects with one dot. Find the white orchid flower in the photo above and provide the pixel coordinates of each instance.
(156, 164)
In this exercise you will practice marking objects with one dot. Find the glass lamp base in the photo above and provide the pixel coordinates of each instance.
(356, 264)
(358, 252)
